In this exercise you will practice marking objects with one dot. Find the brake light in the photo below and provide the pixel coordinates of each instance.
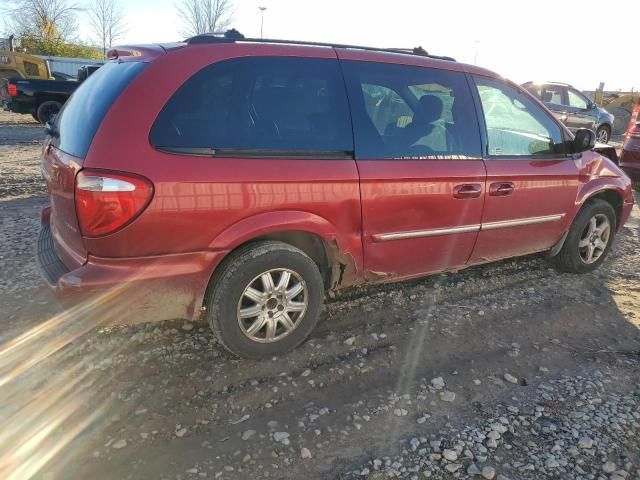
(12, 90)
(635, 131)
(106, 202)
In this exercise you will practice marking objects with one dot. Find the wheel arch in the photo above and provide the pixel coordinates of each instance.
(610, 195)
(48, 97)
(339, 258)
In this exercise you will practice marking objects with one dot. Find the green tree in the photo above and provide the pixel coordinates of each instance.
(49, 24)
(56, 47)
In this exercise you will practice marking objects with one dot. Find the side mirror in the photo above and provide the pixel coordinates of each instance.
(584, 140)
(591, 106)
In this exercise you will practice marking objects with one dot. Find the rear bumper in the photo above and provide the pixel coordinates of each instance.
(129, 290)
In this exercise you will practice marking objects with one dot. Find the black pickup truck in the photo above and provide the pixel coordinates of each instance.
(40, 98)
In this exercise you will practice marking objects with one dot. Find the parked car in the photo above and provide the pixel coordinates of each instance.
(240, 179)
(630, 157)
(573, 108)
(39, 98)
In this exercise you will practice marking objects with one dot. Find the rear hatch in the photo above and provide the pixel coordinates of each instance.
(66, 148)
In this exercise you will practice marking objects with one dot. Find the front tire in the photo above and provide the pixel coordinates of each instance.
(590, 238)
(603, 134)
(265, 299)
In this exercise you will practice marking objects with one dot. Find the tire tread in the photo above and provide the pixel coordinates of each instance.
(229, 268)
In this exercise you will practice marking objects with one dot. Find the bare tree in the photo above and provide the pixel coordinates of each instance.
(202, 16)
(50, 20)
(107, 22)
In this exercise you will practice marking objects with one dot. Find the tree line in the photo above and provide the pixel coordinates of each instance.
(50, 27)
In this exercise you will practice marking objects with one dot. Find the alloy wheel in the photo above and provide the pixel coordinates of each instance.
(594, 238)
(272, 305)
(602, 136)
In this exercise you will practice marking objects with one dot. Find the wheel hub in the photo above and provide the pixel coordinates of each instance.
(272, 303)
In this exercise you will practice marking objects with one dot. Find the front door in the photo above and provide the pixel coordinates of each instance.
(422, 178)
(531, 183)
(579, 111)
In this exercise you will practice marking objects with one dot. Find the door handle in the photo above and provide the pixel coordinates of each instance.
(467, 190)
(501, 189)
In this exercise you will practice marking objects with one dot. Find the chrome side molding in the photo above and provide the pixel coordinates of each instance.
(384, 237)
(522, 221)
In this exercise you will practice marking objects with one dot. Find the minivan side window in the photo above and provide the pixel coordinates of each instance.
(259, 106)
(516, 126)
(409, 112)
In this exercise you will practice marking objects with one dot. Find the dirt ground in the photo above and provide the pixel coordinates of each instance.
(506, 371)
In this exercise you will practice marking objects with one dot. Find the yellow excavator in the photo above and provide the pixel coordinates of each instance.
(22, 65)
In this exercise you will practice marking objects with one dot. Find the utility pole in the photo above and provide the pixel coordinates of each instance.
(475, 57)
(262, 9)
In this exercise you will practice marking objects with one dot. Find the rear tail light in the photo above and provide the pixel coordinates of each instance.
(12, 90)
(635, 131)
(106, 201)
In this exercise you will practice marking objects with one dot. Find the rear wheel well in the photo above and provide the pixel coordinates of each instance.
(311, 244)
(48, 97)
(614, 199)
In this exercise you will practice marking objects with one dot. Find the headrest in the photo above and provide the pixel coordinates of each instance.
(429, 110)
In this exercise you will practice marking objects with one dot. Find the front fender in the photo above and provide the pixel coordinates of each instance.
(596, 175)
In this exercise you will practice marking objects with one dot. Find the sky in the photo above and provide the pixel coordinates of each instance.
(579, 42)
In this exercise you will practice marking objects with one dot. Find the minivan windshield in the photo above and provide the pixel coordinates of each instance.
(80, 117)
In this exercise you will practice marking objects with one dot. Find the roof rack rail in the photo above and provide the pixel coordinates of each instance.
(233, 35)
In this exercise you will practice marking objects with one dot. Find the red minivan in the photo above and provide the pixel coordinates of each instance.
(244, 178)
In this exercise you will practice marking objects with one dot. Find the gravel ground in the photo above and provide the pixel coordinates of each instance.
(506, 371)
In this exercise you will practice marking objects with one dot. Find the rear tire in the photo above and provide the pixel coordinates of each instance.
(265, 299)
(589, 240)
(46, 109)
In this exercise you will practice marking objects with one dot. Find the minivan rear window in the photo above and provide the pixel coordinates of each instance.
(81, 115)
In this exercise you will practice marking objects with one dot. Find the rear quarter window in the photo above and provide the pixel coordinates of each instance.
(258, 106)
(82, 114)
